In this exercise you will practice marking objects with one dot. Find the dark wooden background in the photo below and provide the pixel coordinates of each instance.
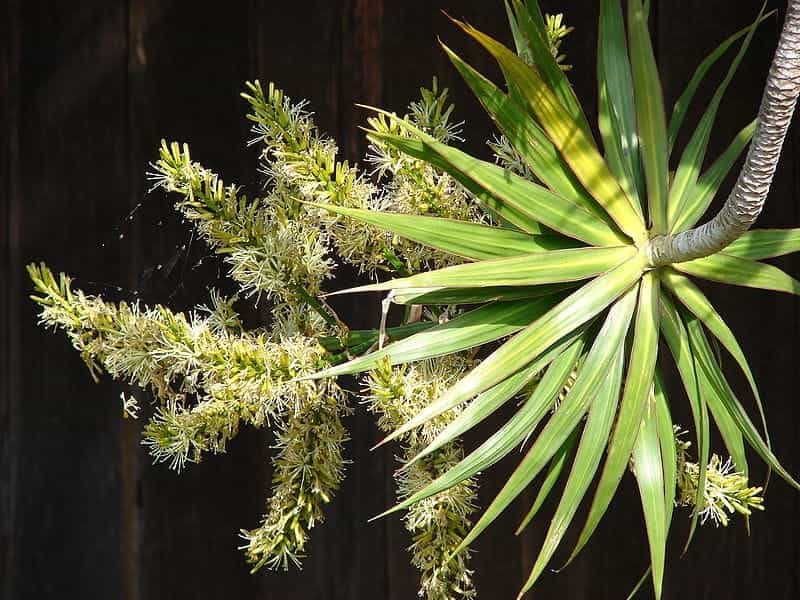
(87, 89)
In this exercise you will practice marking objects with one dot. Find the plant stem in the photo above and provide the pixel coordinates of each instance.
(747, 198)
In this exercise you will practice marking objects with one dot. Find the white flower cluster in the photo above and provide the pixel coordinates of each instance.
(726, 490)
(209, 378)
(437, 524)
(269, 250)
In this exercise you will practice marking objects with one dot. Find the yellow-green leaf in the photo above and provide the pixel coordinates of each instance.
(577, 149)
(571, 410)
(555, 266)
(617, 114)
(557, 464)
(649, 471)
(638, 387)
(528, 139)
(666, 440)
(677, 339)
(694, 154)
(694, 299)
(509, 435)
(472, 241)
(578, 308)
(587, 458)
(476, 295)
(707, 363)
(650, 116)
(529, 202)
(490, 400)
(759, 244)
(477, 327)
(682, 104)
(729, 269)
(705, 189)
(532, 24)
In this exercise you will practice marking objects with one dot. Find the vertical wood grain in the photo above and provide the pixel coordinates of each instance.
(9, 295)
(71, 179)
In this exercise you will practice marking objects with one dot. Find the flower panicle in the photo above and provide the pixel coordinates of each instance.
(412, 186)
(306, 473)
(437, 524)
(269, 249)
(207, 381)
(508, 157)
(556, 32)
(727, 491)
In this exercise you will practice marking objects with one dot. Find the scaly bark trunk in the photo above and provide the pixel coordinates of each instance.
(745, 202)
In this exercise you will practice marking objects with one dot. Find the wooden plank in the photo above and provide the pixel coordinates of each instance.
(9, 303)
(71, 178)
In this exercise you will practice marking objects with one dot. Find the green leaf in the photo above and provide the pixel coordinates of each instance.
(650, 116)
(697, 201)
(694, 154)
(706, 363)
(490, 400)
(682, 105)
(472, 241)
(358, 337)
(572, 312)
(557, 464)
(666, 440)
(517, 429)
(617, 115)
(677, 339)
(555, 266)
(740, 271)
(509, 212)
(576, 147)
(639, 583)
(649, 472)
(759, 244)
(520, 201)
(587, 458)
(528, 139)
(591, 375)
(520, 41)
(638, 387)
(712, 389)
(694, 299)
(532, 23)
(479, 326)
(476, 295)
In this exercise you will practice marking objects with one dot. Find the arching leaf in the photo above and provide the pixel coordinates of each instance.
(554, 266)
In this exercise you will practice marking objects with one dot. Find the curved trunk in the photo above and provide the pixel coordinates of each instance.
(745, 202)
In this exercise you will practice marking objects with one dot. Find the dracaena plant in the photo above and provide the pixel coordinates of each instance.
(548, 276)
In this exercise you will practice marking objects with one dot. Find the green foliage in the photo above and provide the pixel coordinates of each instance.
(527, 278)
